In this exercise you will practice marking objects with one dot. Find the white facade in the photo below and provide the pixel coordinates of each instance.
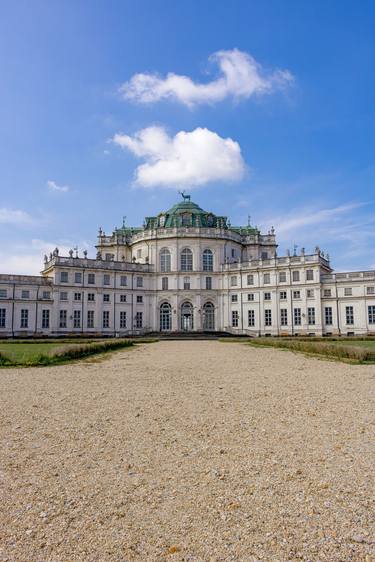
(188, 270)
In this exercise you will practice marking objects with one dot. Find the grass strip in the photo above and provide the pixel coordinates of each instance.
(66, 353)
(324, 349)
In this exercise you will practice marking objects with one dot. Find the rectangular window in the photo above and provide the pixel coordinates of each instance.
(349, 314)
(297, 317)
(250, 279)
(186, 283)
(25, 294)
(106, 297)
(282, 277)
(46, 295)
(250, 296)
(3, 293)
(139, 320)
(234, 298)
(139, 253)
(311, 315)
(24, 318)
(295, 275)
(371, 314)
(64, 277)
(233, 253)
(91, 297)
(122, 298)
(105, 318)
(310, 293)
(139, 299)
(123, 280)
(267, 296)
(370, 290)
(91, 278)
(283, 295)
(77, 296)
(3, 313)
(233, 281)
(348, 291)
(266, 278)
(122, 319)
(109, 257)
(139, 281)
(77, 277)
(63, 316)
(251, 318)
(208, 283)
(328, 318)
(327, 293)
(164, 283)
(90, 318)
(106, 279)
(309, 275)
(77, 319)
(268, 317)
(284, 316)
(235, 318)
(296, 294)
(45, 319)
(264, 255)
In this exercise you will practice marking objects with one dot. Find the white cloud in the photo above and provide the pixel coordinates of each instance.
(27, 259)
(15, 217)
(241, 77)
(298, 220)
(53, 186)
(188, 159)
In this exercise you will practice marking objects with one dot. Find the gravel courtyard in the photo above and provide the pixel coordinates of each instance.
(188, 450)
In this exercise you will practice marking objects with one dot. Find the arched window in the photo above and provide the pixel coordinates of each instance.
(165, 317)
(208, 317)
(186, 260)
(165, 260)
(208, 260)
(186, 316)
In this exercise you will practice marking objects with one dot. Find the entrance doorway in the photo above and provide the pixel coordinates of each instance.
(186, 317)
(208, 317)
(165, 317)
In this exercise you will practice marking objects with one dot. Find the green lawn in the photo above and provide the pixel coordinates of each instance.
(23, 352)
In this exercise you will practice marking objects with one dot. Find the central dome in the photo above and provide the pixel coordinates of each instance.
(185, 214)
(186, 207)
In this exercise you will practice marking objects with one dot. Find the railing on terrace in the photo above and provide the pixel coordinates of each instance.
(276, 262)
(349, 276)
(187, 231)
(25, 279)
(87, 263)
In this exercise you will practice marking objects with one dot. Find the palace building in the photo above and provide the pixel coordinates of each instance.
(187, 270)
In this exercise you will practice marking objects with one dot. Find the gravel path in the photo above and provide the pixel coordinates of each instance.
(198, 451)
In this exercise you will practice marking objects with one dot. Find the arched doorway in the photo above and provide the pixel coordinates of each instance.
(208, 317)
(165, 317)
(186, 317)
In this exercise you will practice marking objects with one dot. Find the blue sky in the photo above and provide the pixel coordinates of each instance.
(291, 143)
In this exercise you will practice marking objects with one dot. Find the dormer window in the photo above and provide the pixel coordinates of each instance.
(210, 220)
(162, 220)
(186, 219)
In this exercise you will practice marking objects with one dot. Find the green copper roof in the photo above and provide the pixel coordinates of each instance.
(187, 214)
(186, 207)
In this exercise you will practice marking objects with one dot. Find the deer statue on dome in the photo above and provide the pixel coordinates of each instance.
(184, 196)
